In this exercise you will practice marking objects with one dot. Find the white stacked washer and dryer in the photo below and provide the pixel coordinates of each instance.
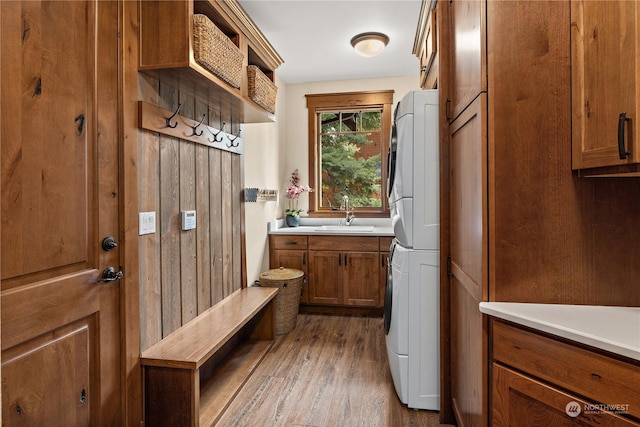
(412, 302)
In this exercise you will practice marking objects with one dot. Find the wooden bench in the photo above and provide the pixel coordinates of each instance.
(192, 374)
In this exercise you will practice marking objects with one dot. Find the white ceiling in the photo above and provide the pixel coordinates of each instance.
(313, 37)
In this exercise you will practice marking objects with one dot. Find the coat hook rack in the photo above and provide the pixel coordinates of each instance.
(175, 113)
(157, 119)
(195, 128)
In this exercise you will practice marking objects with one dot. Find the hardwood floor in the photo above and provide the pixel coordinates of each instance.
(330, 371)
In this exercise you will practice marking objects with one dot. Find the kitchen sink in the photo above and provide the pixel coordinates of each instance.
(347, 228)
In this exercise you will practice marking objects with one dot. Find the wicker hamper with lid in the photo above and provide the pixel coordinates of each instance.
(287, 302)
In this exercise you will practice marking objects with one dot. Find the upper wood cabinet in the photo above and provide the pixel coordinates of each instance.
(467, 50)
(167, 52)
(605, 76)
(425, 45)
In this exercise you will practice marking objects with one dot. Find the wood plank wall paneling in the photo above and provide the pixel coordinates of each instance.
(149, 245)
(183, 273)
(188, 249)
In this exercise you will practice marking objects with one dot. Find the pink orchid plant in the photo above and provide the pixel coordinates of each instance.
(293, 193)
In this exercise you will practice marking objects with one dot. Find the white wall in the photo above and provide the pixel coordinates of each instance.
(274, 150)
(263, 165)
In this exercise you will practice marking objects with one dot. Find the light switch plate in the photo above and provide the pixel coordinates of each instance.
(146, 223)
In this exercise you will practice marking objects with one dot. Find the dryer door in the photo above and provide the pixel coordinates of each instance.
(391, 159)
(397, 302)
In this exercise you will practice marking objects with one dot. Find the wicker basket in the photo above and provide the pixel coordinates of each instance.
(287, 302)
(261, 89)
(215, 51)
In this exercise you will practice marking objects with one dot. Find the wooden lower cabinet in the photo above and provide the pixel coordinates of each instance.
(538, 380)
(342, 271)
(519, 400)
(290, 252)
(325, 278)
(344, 278)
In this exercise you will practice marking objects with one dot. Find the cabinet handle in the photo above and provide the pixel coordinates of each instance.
(345, 260)
(304, 258)
(382, 260)
(290, 242)
(621, 150)
(339, 259)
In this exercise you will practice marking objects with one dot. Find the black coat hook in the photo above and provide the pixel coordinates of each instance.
(231, 144)
(173, 126)
(215, 135)
(195, 128)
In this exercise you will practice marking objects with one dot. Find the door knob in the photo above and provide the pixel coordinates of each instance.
(110, 274)
(109, 243)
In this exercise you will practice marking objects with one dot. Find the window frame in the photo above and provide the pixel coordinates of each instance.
(318, 103)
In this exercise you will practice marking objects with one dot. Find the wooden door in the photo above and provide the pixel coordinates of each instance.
(468, 181)
(468, 56)
(292, 259)
(605, 80)
(325, 277)
(525, 402)
(59, 181)
(362, 279)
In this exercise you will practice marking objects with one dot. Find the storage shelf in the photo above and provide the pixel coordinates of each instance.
(217, 392)
(166, 53)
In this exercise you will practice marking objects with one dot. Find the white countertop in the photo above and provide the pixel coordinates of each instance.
(614, 329)
(313, 226)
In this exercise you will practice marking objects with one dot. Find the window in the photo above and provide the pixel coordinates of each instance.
(348, 144)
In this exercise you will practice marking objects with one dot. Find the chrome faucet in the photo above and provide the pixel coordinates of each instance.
(349, 216)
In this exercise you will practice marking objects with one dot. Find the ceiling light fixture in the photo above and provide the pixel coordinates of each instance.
(369, 44)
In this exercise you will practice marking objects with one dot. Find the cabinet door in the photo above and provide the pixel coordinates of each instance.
(292, 259)
(468, 59)
(605, 81)
(525, 402)
(361, 278)
(428, 52)
(468, 193)
(325, 277)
